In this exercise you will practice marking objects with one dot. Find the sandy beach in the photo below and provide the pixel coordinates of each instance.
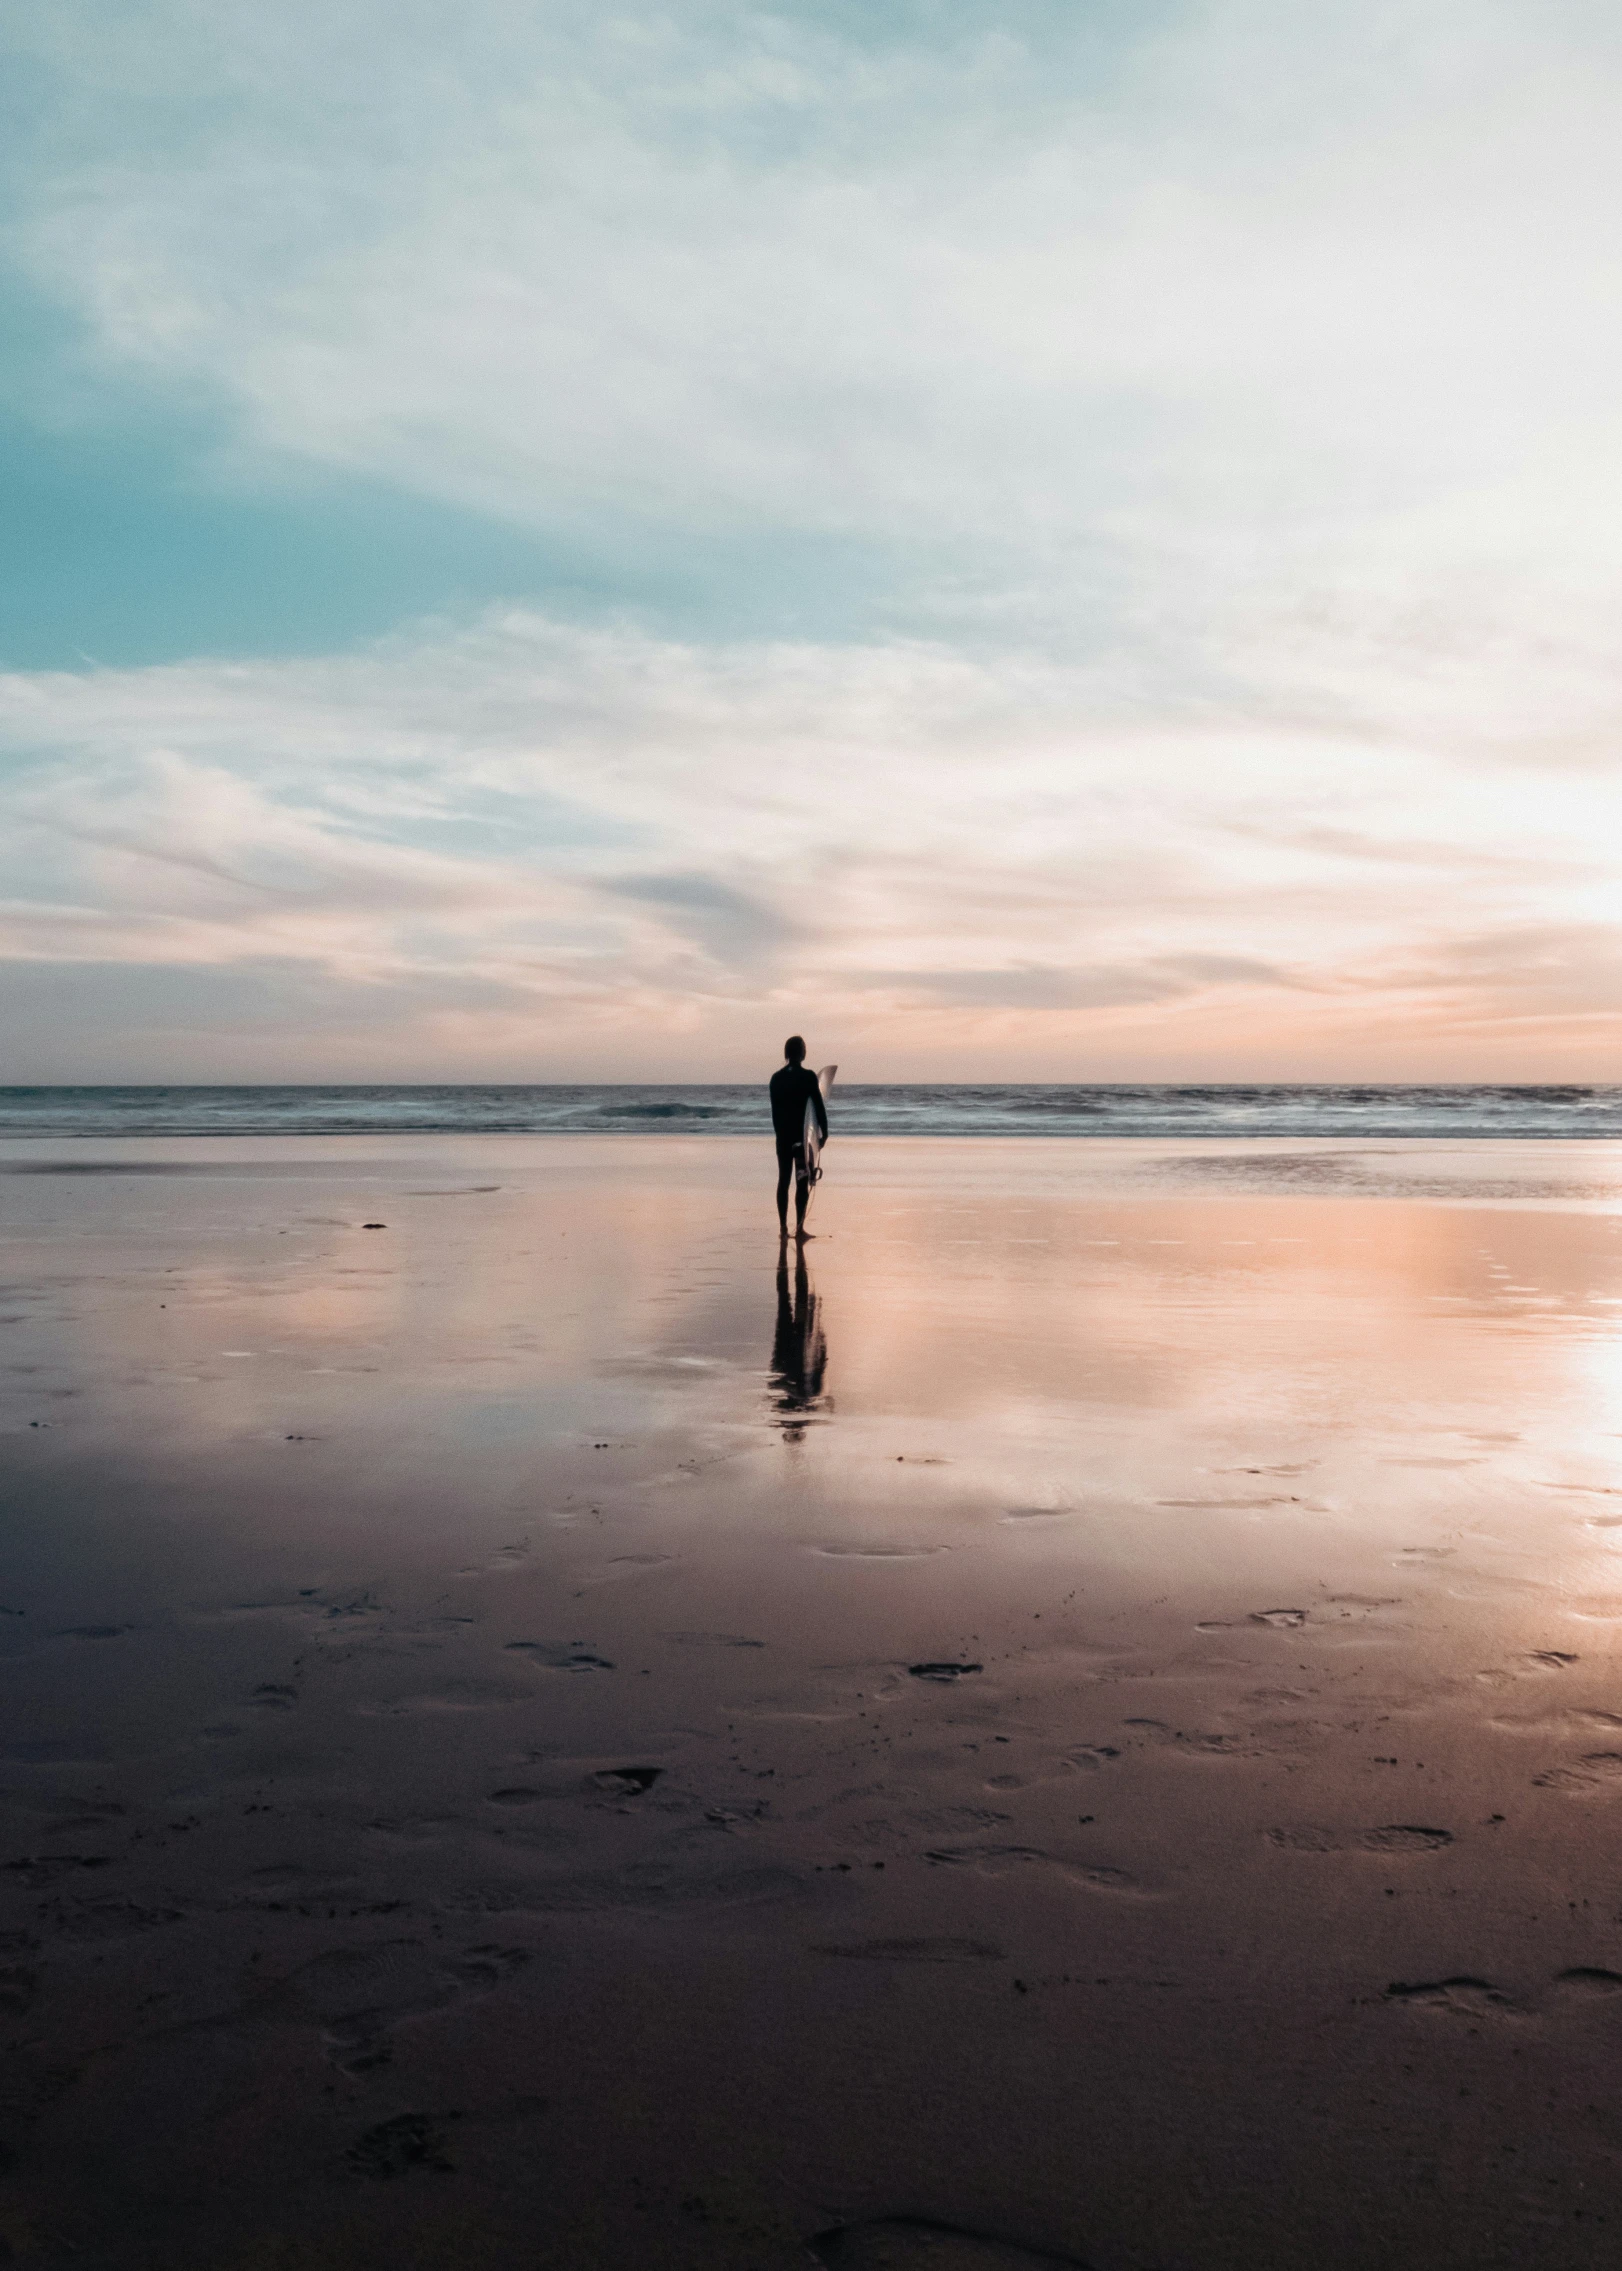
(1078, 1723)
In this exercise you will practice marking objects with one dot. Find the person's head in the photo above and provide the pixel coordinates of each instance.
(794, 1049)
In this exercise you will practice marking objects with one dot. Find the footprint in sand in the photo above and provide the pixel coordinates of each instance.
(984, 1860)
(626, 1781)
(902, 2244)
(360, 1995)
(503, 1560)
(1551, 1725)
(1460, 1996)
(1600, 1770)
(1106, 1880)
(559, 1656)
(1590, 1982)
(878, 1553)
(1281, 1620)
(1195, 1742)
(711, 1640)
(1087, 1758)
(1393, 1837)
(1304, 1837)
(1000, 1860)
(913, 1951)
(394, 2148)
(1466, 1997)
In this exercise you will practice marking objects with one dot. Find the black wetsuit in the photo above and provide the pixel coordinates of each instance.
(792, 1088)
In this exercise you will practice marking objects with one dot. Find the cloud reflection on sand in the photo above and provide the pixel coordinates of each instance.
(1189, 1637)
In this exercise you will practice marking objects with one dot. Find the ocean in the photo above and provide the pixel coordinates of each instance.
(970, 1109)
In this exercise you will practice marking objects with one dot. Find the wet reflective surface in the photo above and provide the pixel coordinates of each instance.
(1081, 1707)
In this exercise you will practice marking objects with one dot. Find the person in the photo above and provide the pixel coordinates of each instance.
(791, 1089)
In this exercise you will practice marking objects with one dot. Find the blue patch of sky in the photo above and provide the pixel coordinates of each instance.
(121, 545)
(137, 530)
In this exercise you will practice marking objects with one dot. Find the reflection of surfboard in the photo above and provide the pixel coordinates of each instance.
(813, 1134)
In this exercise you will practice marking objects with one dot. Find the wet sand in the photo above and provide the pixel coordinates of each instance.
(1084, 1724)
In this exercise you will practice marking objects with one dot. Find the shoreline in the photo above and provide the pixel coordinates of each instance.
(1077, 1111)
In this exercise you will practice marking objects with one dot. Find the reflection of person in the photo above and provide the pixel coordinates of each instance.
(799, 1350)
(792, 1088)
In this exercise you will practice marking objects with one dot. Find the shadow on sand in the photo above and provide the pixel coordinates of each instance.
(799, 1351)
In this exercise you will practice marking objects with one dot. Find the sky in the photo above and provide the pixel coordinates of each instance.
(1079, 541)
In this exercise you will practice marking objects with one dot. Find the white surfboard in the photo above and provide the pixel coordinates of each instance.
(813, 1134)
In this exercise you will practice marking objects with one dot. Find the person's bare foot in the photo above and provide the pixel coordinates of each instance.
(803, 1237)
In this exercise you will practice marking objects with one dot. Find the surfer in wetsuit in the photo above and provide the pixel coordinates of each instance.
(792, 1088)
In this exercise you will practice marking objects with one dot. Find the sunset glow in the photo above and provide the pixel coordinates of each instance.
(563, 545)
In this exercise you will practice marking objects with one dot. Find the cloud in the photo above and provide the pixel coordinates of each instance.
(1526, 974)
(724, 922)
(526, 835)
(1026, 985)
(1107, 319)
(1199, 423)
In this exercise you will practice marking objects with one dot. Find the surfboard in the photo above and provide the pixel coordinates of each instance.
(813, 1134)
